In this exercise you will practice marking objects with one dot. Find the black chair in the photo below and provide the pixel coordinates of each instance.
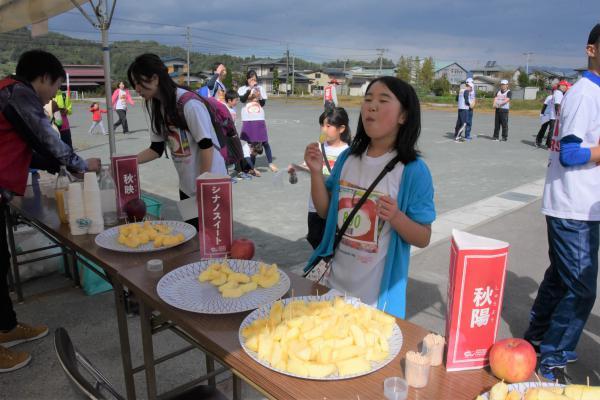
(98, 387)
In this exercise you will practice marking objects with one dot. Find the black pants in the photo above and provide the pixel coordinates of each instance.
(122, 120)
(8, 318)
(268, 153)
(193, 221)
(501, 120)
(316, 227)
(65, 136)
(540, 135)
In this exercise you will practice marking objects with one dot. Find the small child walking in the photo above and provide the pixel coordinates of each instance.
(97, 119)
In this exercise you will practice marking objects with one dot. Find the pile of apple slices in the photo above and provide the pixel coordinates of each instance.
(500, 391)
(233, 284)
(321, 338)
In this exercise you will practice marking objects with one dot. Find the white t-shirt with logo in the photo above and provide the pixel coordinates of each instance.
(549, 103)
(359, 260)
(184, 149)
(557, 97)
(332, 154)
(574, 192)
(253, 111)
(121, 100)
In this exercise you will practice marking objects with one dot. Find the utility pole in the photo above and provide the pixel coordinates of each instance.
(293, 73)
(527, 55)
(287, 72)
(189, 45)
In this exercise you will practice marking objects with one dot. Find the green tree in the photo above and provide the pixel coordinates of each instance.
(523, 79)
(276, 80)
(441, 86)
(403, 69)
(416, 71)
(426, 74)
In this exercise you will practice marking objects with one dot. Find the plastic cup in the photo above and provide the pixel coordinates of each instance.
(417, 373)
(395, 388)
(154, 267)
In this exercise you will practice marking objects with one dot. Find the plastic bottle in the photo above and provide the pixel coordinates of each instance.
(60, 189)
(108, 197)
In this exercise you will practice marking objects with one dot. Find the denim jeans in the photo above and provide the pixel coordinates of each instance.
(469, 124)
(567, 293)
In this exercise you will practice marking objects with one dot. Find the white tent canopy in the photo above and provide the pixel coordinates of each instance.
(15, 14)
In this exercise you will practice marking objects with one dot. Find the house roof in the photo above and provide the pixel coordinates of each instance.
(172, 59)
(266, 61)
(298, 77)
(493, 66)
(438, 65)
(485, 79)
(359, 80)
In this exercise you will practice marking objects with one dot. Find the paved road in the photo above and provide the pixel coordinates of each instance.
(273, 212)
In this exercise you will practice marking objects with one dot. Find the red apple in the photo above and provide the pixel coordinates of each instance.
(135, 210)
(242, 249)
(512, 360)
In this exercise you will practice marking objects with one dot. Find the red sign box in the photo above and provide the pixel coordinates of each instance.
(127, 182)
(215, 215)
(475, 291)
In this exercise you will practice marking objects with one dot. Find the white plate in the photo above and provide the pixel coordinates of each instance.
(181, 289)
(523, 386)
(395, 341)
(109, 238)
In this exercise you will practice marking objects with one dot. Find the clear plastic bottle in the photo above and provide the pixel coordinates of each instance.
(108, 197)
(60, 189)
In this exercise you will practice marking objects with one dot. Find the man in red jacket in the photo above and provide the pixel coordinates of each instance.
(27, 139)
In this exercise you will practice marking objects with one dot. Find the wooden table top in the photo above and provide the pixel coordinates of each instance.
(219, 334)
(42, 210)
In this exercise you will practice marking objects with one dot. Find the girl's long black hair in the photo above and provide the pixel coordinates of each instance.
(140, 71)
(337, 116)
(408, 133)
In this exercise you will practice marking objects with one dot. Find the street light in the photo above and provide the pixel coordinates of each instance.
(527, 54)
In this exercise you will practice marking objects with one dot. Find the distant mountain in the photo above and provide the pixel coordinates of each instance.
(77, 51)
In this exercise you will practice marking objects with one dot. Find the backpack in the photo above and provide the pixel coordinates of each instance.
(224, 126)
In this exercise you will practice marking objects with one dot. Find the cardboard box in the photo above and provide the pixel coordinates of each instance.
(215, 215)
(475, 291)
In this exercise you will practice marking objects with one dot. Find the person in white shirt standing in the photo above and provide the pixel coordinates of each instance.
(571, 204)
(547, 123)
(472, 102)
(502, 105)
(120, 98)
(464, 105)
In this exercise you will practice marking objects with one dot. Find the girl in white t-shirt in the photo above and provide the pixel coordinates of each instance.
(371, 260)
(186, 129)
(335, 131)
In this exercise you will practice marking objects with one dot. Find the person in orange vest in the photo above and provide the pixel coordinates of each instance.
(27, 140)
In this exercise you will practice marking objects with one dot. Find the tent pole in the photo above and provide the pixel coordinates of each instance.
(107, 87)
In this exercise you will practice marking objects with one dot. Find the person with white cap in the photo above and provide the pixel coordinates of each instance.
(464, 106)
(502, 105)
(567, 294)
(472, 102)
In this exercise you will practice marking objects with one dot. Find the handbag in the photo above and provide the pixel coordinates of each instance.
(322, 265)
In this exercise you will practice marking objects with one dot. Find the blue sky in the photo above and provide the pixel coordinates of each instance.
(470, 32)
